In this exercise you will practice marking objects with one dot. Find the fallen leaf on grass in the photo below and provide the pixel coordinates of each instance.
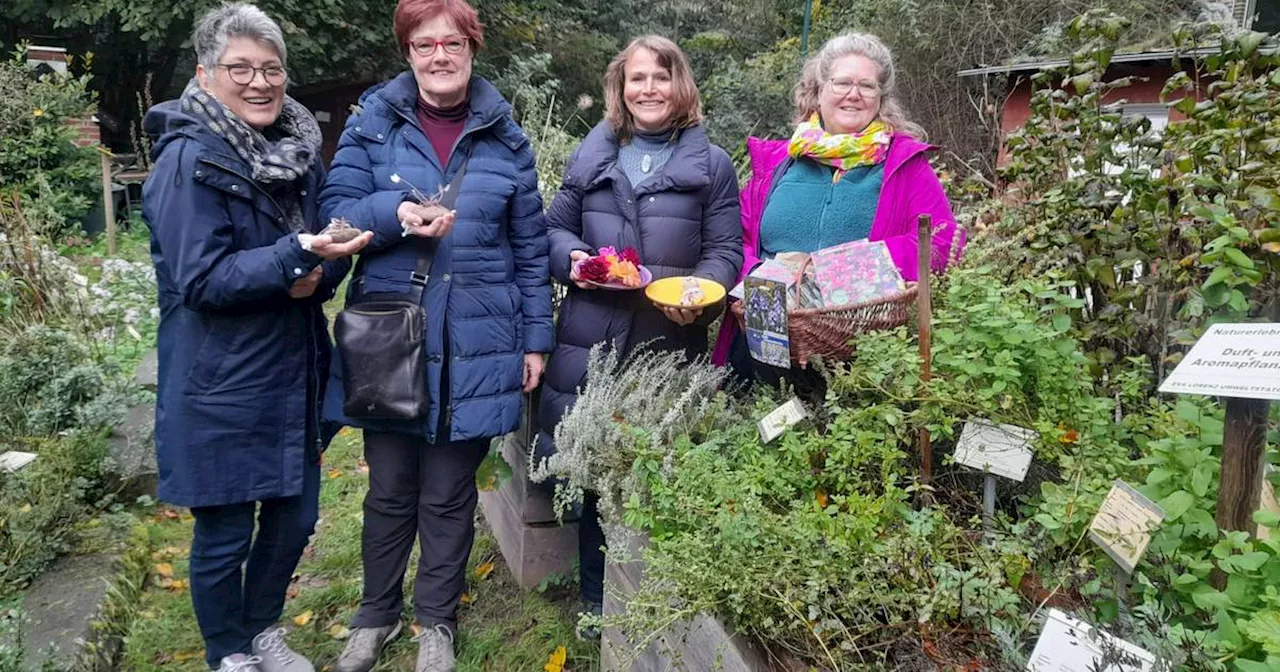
(555, 663)
(467, 598)
(339, 631)
(25, 508)
(293, 592)
(362, 466)
(304, 618)
(483, 570)
(164, 569)
(823, 500)
(173, 585)
(184, 656)
(168, 513)
(415, 629)
(335, 473)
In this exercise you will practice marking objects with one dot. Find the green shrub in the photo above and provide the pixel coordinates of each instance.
(51, 383)
(40, 506)
(37, 157)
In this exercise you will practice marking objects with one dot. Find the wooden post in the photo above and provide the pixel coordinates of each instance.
(924, 317)
(108, 203)
(1240, 483)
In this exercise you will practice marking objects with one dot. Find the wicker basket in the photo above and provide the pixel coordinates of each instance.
(829, 332)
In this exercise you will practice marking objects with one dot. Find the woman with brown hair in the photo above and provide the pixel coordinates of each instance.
(647, 178)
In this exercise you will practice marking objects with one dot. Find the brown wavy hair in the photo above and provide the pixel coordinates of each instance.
(685, 100)
(818, 69)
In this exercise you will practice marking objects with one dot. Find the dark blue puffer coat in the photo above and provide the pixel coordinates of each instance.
(682, 221)
(489, 284)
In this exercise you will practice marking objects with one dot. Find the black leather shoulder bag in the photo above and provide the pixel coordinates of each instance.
(381, 339)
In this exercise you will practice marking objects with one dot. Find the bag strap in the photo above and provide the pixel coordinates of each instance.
(422, 271)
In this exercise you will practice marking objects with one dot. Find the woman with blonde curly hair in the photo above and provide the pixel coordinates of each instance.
(855, 168)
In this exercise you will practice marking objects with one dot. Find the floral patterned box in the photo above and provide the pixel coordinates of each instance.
(855, 272)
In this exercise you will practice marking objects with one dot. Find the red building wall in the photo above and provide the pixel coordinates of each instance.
(1149, 79)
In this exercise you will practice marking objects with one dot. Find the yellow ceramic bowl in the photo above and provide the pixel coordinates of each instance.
(667, 292)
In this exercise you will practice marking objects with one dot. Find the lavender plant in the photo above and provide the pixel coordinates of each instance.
(626, 410)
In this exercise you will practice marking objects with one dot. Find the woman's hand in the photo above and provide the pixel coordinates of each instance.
(533, 364)
(681, 316)
(413, 217)
(325, 248)
(306, 286)
(574, 257)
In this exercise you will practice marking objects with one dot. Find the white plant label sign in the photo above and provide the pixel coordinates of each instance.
(1231, 360)
(1070, 645)
(1124, 525)
(1004, 450)
(15, 460)
(780, 418)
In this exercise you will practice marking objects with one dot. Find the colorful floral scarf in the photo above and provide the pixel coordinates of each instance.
(843, 151)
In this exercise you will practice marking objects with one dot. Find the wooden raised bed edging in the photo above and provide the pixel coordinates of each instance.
(702, 645)
(533, 543)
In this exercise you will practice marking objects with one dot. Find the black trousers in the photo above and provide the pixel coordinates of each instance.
(590, 552)
(422, 489)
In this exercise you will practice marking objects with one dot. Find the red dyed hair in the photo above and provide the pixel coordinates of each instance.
(412, 13)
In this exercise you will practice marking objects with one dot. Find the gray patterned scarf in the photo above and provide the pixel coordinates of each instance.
(273, 163)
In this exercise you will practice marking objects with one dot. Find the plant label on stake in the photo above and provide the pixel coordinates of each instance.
(780, 418)
(1070, 645)
(1231, 360)
(1241, 363)
(1124, 524)
(1003, 450)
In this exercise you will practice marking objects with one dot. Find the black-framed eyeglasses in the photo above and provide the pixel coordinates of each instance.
(867, 88)
(454, 44)
(243, 73)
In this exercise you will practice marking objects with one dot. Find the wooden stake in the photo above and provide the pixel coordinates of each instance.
(108, 203)
(1240, 482)
(924, 317)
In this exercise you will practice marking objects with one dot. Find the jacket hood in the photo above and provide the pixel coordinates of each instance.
(166, 122)
(688, 168)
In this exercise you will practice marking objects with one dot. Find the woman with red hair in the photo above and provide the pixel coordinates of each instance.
(485, 294)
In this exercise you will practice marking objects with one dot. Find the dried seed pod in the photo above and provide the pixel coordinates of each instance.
(340, 230)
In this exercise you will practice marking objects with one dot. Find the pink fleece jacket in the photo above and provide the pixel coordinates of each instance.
(910, 189)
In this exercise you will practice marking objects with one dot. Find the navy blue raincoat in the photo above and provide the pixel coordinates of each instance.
(242, 364)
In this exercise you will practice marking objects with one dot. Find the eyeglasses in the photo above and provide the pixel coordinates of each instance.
(866, 88)
(452, 45)
(243, 73)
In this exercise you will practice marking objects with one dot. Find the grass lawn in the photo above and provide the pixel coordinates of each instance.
(502, 628)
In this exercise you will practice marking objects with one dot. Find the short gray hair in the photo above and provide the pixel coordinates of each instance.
(234, 19)
(817, 70)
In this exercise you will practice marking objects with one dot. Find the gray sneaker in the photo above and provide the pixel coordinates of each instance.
(276, 655)
(435, 650)
(364, 647)
(240, 663)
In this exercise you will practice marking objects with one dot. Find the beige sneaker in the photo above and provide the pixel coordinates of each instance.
(435, 650)
(364, 646)
(275, 655)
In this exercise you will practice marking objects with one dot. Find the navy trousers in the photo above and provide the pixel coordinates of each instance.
(238, 579)
(424, 490)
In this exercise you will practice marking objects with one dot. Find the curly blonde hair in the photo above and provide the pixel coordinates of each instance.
(818, 69)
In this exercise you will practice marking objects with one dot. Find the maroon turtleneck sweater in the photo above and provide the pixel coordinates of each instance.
(442, 126)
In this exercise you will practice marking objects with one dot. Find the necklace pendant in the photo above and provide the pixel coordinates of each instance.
(646, 163)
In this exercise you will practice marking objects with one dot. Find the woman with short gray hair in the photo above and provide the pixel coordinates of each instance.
(243, 342)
